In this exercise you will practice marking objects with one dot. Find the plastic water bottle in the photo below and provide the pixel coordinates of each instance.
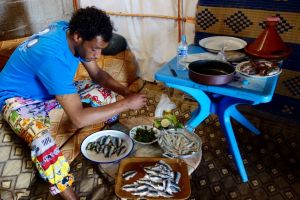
(182, 53)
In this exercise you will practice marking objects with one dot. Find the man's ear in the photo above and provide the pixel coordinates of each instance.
(77, 38)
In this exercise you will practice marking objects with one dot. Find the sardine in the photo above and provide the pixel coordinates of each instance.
(106, 151)
(108, 139)
(114, 142)
(119, 141)
(121, 150)
(130, 187)
(89, 146)
(102, 140)
(142, 192)
(152, 193)
(111, 151)
(177, 176)
(128, 175)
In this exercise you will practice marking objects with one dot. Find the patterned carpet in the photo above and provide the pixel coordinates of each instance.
(271, 159)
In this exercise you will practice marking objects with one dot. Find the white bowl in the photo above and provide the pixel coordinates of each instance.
(172, 144)
(99, 157)
(132, 133)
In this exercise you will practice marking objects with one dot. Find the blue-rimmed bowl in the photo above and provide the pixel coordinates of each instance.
(99, 157)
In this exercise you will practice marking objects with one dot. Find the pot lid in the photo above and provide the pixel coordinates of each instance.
(269, 44)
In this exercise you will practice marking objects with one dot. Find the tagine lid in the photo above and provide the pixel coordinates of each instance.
(269, 44)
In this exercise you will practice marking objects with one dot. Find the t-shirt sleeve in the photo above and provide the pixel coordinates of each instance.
(57, 77)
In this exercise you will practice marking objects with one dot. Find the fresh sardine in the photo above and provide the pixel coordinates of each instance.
(128, 175)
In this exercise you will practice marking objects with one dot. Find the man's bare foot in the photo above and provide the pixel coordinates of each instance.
(69, 194)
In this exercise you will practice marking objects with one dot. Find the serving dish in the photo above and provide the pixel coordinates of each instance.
(179, 143)
(99, 157)
(137, 134)
(258, 69)
(216, 43)
(138, 164)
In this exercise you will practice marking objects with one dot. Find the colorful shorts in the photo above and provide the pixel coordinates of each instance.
(30, 120)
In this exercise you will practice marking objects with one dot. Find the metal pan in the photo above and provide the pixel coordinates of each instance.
(211, 72)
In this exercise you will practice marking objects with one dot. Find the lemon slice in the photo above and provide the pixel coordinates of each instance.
(165, 123)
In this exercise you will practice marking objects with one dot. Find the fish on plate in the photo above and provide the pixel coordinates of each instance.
(107, 145)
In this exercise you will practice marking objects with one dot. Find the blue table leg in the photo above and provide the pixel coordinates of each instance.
(226, 108)
(245, 122)
(229, 134)
(204, 102)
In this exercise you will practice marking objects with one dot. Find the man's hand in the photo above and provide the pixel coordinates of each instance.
(81, 116)
(136, 101)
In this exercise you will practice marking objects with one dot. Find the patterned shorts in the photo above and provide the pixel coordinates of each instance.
(30, 120)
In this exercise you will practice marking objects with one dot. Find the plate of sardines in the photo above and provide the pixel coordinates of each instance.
(106, 146)
(179, 143)
(258, 68)
(153, 178)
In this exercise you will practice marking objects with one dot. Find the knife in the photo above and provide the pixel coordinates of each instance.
(172, 70)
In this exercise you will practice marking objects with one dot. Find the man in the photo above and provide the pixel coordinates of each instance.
(39, 77)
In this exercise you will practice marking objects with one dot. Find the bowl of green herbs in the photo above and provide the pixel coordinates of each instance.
(144, 134)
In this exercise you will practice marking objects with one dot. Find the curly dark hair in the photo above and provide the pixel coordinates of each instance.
(91, 22)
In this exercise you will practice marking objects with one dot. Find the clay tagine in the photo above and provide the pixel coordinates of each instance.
(269, 45)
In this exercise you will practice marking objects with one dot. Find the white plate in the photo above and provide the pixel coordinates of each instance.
(200, 56)
(132, 133)
(99, 157)
(238, 69)
(216, 43)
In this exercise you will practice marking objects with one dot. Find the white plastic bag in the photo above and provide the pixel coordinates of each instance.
(164, 104)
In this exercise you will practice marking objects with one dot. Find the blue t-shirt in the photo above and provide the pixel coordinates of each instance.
(41, 67)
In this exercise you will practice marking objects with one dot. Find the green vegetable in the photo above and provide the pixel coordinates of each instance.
(157, 123)
(174, 122)
(145, 135)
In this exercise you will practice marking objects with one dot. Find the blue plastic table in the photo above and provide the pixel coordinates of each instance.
(221, 100)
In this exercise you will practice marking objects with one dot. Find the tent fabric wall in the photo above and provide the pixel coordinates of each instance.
(246, 19)
(150, 28)
(23, 18)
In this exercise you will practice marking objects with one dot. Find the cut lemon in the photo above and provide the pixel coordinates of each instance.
(165, 123)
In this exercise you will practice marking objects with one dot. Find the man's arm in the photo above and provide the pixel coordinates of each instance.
(81, 117)
(102, 78)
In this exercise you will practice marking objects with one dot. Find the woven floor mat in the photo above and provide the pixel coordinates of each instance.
(271, 159)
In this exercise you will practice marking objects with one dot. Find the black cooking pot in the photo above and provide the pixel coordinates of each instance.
(211, 72)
